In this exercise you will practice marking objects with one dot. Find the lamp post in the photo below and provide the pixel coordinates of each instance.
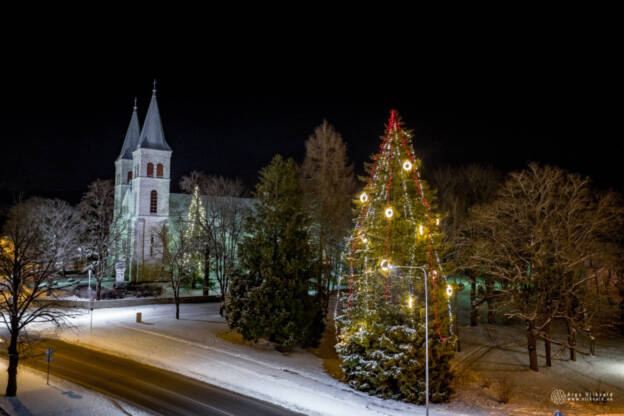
(424, 270)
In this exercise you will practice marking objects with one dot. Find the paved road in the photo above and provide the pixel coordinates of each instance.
(152, 388)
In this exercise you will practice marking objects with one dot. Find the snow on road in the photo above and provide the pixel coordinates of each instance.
(61, 397)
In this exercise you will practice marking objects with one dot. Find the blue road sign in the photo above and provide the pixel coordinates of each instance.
(49, 354)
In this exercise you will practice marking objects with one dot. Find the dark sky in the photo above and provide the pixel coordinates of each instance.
(62, 122)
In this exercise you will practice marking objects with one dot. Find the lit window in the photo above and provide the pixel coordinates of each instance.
(159, 170)
(150, 169)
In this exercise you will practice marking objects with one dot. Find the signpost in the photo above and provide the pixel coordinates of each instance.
(49, 357)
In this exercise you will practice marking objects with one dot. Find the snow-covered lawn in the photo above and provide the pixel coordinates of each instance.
(192, 346)
(61, 397)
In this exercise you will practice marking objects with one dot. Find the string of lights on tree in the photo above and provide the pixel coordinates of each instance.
(395, 231)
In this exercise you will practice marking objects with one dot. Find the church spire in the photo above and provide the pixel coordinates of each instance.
(132, 135)
(152, 136)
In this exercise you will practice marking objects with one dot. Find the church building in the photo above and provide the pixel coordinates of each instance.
(142, 191)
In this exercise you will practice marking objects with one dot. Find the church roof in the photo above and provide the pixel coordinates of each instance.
(131, 140)
(152, 135)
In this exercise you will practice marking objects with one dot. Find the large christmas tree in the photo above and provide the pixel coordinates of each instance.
(381, 317)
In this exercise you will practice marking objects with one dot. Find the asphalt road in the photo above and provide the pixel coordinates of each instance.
(152, 388)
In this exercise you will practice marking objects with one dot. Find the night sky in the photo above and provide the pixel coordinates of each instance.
(64, 127)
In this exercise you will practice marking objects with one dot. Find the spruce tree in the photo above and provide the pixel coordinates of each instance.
(272, 300)
(381, 316)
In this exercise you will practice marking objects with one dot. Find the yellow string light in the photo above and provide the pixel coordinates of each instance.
(421, 229)
(384, 265)
(407, 166)
(449, 291)
(389, 212)
(410, 302)
(363, 238)
(363, 197)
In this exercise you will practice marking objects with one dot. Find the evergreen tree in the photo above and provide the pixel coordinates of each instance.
(381, 318)
(328, 183)
(272, 301)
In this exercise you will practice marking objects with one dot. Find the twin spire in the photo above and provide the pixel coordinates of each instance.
(151, 136)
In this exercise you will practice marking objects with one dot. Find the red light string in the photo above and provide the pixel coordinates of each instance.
(416, 177)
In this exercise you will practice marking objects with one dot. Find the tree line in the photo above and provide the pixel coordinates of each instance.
(541, 246)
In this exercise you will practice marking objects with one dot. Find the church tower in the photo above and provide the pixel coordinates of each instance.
(123, 164)
(151, 173)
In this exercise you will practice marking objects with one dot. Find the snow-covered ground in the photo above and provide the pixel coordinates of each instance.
(192, 346)
(59, 398)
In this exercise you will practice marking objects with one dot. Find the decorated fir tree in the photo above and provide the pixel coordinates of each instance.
(194, 231)
(381, 316)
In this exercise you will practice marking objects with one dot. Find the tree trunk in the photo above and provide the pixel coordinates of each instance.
(456, 320)
(572, 342)
(473, 301)
(592, 342)
(11, 389)
(206, 288)
(491, 316)
(98, 288)
(621, 289)
(547, 347)
(177, 302)
(532, 346)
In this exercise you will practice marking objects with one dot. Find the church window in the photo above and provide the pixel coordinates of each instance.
(150, 169)
(129, 176)
(153, 202)
(159, 170)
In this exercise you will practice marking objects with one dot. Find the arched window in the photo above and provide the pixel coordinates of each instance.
(153, 202)
(150, 169)
(129, 176)
(159, 170)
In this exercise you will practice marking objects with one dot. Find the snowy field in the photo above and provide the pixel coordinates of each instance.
(191, 346)
(61, 397)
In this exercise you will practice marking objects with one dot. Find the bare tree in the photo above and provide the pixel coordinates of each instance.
(61, 227)
(104, 231)
(329, 184)
(36, 243)
(221, 226)
(547, 238)
(176, 262)
(459, 189)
